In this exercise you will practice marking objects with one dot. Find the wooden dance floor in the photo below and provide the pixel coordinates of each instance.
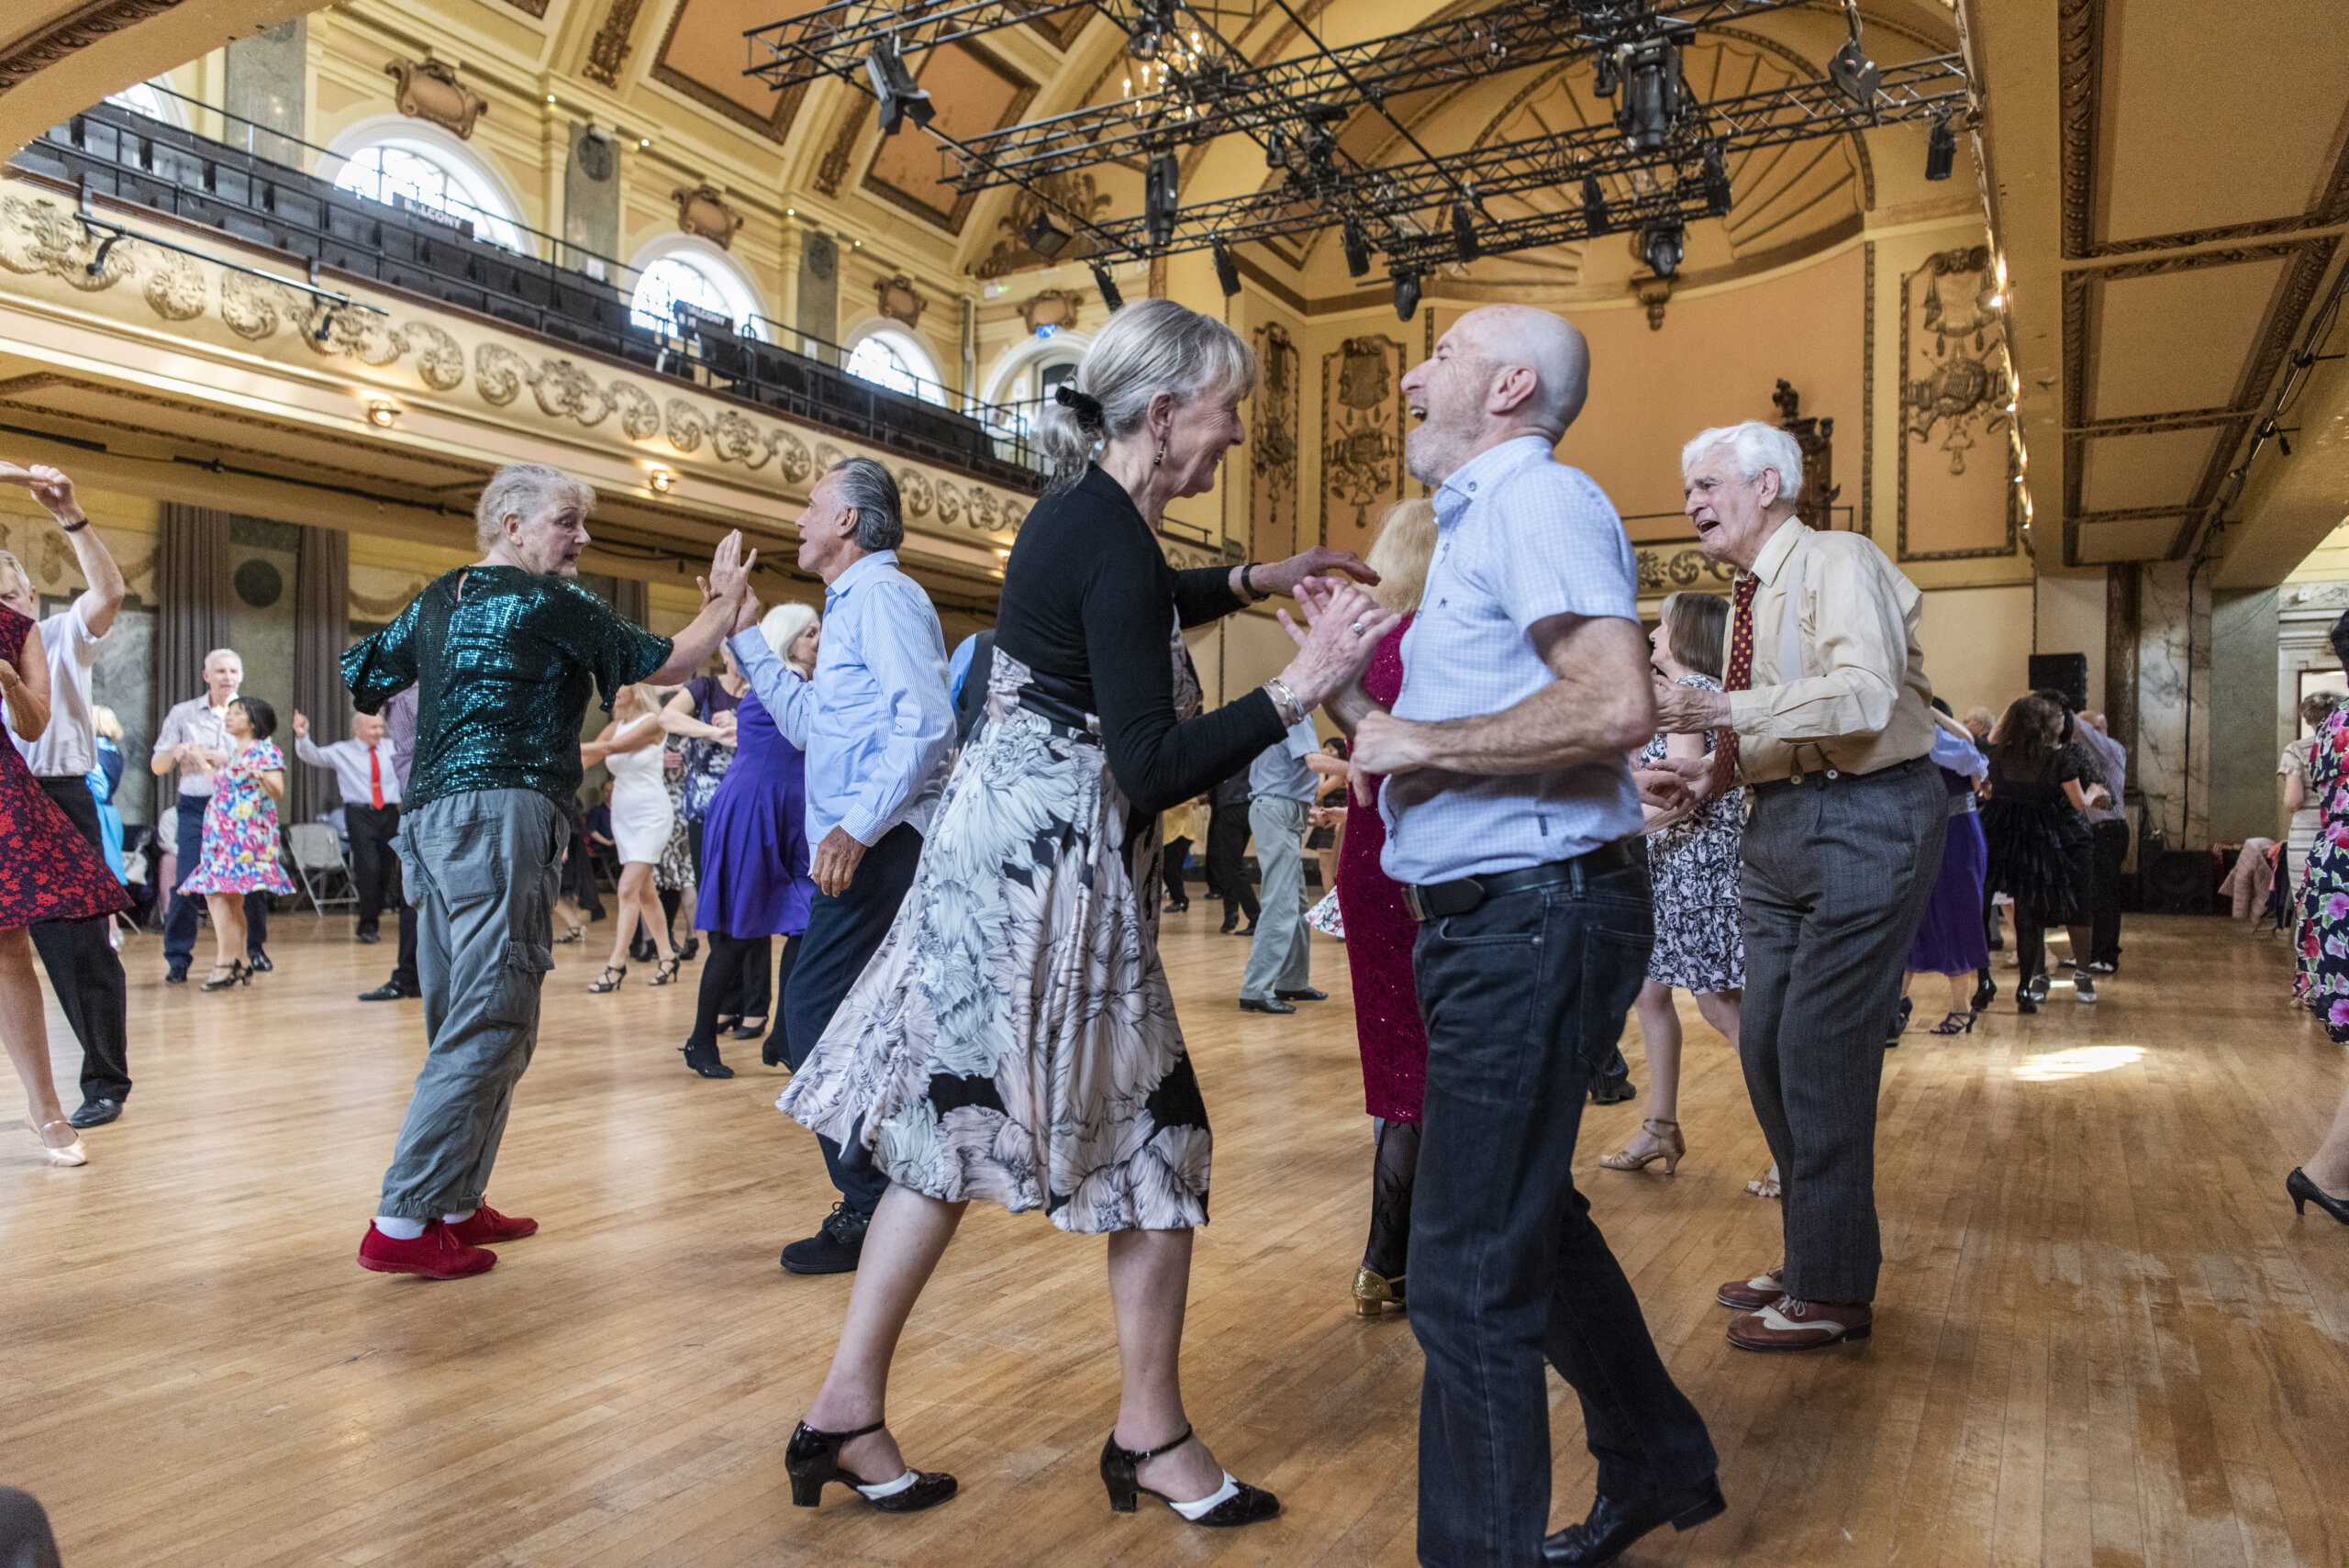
(2103, 1337)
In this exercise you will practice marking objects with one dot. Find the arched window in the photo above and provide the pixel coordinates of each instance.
(896, 360)
(141, 99)
(682, 277)
(1032, 368)
(418, 174)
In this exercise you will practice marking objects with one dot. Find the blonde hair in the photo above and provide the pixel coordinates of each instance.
(102, 721)
(784, 625)
(1150, 346)
(1405, 547)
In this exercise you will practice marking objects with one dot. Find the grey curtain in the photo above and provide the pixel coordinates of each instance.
(192, 602)
(633, 598)
(321, 631)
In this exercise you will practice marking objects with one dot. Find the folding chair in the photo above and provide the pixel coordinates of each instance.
(316, 851)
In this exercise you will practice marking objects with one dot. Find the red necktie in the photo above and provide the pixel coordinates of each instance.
(1739, 675)
(375, 774)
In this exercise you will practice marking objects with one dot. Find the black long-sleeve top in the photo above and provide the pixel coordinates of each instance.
(1089, 605)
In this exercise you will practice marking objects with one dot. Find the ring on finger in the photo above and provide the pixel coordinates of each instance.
(1355, 629)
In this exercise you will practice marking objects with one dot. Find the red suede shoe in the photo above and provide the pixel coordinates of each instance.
(485, 1226)
(439, 1254)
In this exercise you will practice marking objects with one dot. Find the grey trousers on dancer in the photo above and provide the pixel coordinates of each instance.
(480, 870)
(1280, 954)
(1838, 872)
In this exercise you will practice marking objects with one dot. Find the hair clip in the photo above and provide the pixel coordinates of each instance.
(1087, 407)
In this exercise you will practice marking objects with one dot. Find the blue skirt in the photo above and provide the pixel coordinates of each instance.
(1950, 939)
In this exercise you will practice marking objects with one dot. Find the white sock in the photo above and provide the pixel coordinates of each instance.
(457, 1218)
(400, 1229)
(890, 1488)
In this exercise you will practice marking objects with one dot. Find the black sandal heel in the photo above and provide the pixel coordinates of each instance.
(1245, 1504)
(664, 972)
(610, 982)
(813, 1463)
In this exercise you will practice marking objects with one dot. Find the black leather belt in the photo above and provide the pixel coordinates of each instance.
(1435, 900)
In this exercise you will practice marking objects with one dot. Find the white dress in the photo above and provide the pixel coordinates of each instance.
(643, 817)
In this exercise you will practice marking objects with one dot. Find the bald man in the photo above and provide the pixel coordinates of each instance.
(1513, 822)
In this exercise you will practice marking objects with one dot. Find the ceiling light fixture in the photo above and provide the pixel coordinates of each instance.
(1652, 99)
(1662, 247)
(1357, 248)
(1407, 296)
(1464, 230)
(662, 479)
(1716, 180)
(1850, 70)
(1594, 216)
(1108, 288)
(1043, 235)
(1227, 270)
(892, 85)
(1160, 197)
(1941, 150)
(381, 412)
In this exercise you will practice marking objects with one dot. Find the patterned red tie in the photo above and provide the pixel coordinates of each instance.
(1740, 678)
(375, 774)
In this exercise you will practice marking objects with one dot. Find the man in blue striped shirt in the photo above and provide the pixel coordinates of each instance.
(1509, 804)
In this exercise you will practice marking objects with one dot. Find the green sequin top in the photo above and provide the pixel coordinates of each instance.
(503, 662)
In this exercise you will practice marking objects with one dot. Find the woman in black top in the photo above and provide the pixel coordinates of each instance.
(2037, 834)
(1014, 1037)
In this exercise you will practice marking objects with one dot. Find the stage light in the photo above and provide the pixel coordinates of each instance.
(662, 479)
(885, 69)
(1160, 197)
(1227, 270)
(1275, 149)
(1603, 80)
(1357, 245)
(1149, 32)
(1464, 230)
(381, 412)
(1661, 245)
(1108, 288)
(1855, 73)
(1594, 207)
(1043, 235)
(1650, 104)
(1407, 296)
(1941, 150)
(1716, 178)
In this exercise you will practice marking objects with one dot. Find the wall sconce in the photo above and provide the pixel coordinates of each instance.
(381, 412)
(662, 479)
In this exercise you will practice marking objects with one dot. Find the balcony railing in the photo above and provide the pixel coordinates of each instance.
(114, 152)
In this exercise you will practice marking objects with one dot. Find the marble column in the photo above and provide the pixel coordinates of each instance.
(266, 83)
(2172, 703)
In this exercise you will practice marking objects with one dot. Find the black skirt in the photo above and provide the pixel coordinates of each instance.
(2035, 862)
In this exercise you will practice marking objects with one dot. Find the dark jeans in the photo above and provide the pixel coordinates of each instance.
(842, 932)
(1177, 851)
(374, 869)
(1523, 997)
(82, 968)
(2108, 843)
(1228, 860)
(179, 925)
(1837, 873)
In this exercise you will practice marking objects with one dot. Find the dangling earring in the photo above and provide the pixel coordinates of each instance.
(1161, 458)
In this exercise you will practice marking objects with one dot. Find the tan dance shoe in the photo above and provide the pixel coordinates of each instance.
(1669, 1147)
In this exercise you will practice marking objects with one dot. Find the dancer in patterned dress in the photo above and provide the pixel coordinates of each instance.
(240, 835)
(48, 872)
(1014, 1037)
(2322, 980)
(1692, 868)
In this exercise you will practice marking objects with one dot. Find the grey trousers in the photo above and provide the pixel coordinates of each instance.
(1278, 956)
(481, 871)
(1837, 875)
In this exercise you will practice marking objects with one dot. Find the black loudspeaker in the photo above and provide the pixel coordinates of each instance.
(2067, 672)
(2181, 881)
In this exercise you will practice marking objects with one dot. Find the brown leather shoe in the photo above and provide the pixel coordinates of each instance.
(1792, 1325)
(1753, 1295)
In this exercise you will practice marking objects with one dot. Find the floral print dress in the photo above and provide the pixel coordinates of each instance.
(47, 871)
(2322, 982)
(240, 829)
(1693, 871)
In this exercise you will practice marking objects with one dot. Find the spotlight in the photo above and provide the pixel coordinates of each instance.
(1941, 150)
(884, 69)
(1661, 246)
(662, 479)
(1650, 104)
(1149, 35)
(1407, 296)
(1108, 288)
(1043, 235)
(1227, 270)
(1357, 245)
(1159, 198)
(1603, 80)
(1855, 73)
(1463, 231)
(1275, 149)
(381, 412)
(1716, 178)
(1594, 207)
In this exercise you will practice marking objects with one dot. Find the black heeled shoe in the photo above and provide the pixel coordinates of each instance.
(704, 1060)
(813, 1463)
(610, 980)
(1986, 991)
(1614, 1525)
(1236, 1503)
(664, 972)
(2304, 1191)
(238, 976)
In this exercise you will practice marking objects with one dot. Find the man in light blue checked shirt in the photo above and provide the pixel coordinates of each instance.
(1509, 801)
(877, 725)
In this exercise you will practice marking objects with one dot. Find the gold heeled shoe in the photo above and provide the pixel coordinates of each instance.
(1373, 1292)
(1669, 1148)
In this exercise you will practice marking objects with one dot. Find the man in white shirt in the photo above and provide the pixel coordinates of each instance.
(82, 968)
(370, 781)
(191, 734)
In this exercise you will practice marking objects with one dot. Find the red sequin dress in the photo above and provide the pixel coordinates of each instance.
(1379, 937)
(47, 871)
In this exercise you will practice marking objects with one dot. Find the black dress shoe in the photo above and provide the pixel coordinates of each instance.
(365, 937)
(389, 991)
(97, 1113)
(259, 962)
(1612, 1088)
(1231, 924)
(1265, 1004)
(1247, 931)
(834, 1249)
(1614, 1524)
(1307, 995)
(175, 975)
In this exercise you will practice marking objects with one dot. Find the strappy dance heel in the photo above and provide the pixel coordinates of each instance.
(1232, 1504)
(238, 976)
(1954, 1023)
(610, 982)
(813, 1463)
(1670, 1150)
(664, 972)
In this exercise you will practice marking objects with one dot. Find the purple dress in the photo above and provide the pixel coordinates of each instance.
(1380, 933)
(754, 879)
(1950, 939)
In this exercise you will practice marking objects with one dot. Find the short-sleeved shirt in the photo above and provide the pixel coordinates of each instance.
(503, 662)
(69, 747)
(1519, 537)
(1279, 770)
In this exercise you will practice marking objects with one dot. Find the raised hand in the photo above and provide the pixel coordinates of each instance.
(729, 569)
(1284, 576)
(49, 487)
(301, 725)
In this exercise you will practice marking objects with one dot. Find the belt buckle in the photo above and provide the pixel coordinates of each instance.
(1411, 903)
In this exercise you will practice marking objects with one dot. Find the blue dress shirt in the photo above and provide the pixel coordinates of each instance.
(1519, 537)
(1279, 769)
(877, 723)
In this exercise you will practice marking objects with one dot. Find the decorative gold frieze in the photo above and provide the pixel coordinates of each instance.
(430, 92)
(702, 211)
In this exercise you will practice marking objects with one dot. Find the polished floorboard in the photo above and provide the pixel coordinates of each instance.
(2104, 1338)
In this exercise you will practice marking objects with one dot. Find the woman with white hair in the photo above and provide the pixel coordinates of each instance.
(629, 747)
(754, 852)
(1014, 1038)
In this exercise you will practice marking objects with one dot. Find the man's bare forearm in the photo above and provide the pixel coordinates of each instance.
(1348, 708)
(1558, 727)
